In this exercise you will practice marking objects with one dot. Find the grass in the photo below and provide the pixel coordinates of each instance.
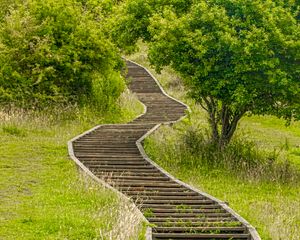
(42, 196)
(271, 133)
(258, 175)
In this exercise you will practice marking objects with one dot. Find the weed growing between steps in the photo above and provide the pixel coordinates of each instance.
(42, 194)
(258, 174)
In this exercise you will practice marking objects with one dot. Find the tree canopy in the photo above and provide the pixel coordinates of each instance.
(235, 56)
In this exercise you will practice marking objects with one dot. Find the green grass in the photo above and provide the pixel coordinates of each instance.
(42, 195)
(267, 197)
(272, 133)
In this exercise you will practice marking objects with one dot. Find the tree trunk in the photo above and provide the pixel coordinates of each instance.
(222, 120)
(228, 129)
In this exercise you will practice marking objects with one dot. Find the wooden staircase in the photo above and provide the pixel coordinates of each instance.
(114, 154)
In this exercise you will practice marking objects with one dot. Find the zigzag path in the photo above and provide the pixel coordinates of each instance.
(175, 210)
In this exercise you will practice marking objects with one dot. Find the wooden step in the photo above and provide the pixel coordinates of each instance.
(142, 178)
(182, 210)
(118, 172)
(123, 171)
(122, 167)
(199, 229)
(190, 219)
(148, 184)
(112, 163)
(193, 215)
(169, 197)
(181, 206)
(162, 193)
(145, 188)
(199, 236)
(179, 202)
(197, 223)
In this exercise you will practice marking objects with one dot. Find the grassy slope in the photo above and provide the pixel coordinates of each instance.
(272, 133)
(42, 196)
(273, 208)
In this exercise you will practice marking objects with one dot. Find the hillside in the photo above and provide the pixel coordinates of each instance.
(235, 63)
(262, 193)
(43, 196)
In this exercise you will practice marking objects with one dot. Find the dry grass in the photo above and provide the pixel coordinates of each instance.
(281, 219)
(123, 220)
(128, 102)
(127, 225)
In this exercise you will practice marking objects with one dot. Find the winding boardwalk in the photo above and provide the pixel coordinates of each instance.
(114, 154)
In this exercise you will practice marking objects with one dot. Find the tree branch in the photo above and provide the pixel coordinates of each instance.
(205, 108)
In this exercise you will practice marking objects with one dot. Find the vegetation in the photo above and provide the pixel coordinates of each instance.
(258, 174)
(56, 52)
(60, 71)
(42, 194)
(59, 75)
(236, 57)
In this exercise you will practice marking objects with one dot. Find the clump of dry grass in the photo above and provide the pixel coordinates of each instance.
(34, 118)
(281, 219)
(123, 220)
(127, 224)
(130, 104)
(128, 107)
(12, 115)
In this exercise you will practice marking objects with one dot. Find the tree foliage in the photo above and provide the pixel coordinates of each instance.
(132, 19)
(235, 56)
(57, 51)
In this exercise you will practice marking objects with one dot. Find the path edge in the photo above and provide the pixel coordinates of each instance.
(148, 234)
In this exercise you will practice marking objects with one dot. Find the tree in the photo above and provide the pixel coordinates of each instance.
(235, 56)
(131, 19)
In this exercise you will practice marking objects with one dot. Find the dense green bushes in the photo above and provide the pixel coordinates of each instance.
(57, 52)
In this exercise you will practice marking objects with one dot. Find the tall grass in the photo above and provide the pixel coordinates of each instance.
(123, 220)
(42, 194)
(241, 157)
(190, 147)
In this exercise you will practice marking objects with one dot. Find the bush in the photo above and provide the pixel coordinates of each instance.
(187, 147)
(57, 52)
(241, 156)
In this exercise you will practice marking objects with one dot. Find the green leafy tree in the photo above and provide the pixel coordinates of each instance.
(57, 52)
(235, 56)
(131, 19)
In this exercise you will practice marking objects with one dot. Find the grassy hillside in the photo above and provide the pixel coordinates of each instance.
(42, 195)
(258, 175)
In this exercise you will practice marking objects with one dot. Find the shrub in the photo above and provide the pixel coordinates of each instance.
(56, 52)
(241, 156)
